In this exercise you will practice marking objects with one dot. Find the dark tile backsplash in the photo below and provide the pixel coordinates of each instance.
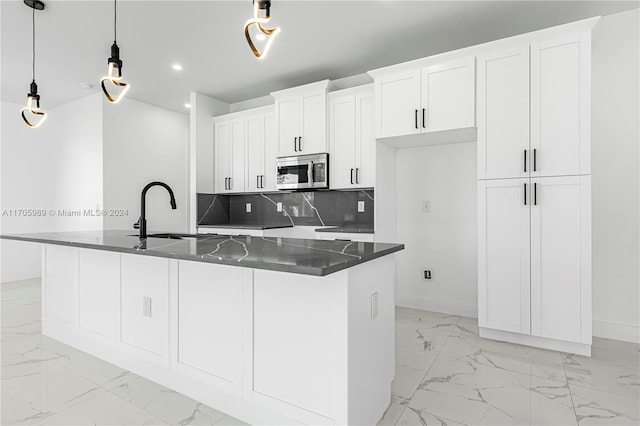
(309, 208)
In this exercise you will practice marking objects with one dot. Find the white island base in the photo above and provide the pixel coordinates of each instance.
(266, 347)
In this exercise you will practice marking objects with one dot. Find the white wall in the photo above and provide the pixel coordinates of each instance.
(616, 177)
(444, 240)
(55, 166)
(144, 143)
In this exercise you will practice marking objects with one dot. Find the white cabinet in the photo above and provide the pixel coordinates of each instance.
(504, 255)
(560, 106)
(503, 114)
(210, 322)
(352, 142)
(229, 155)
(534, 257)
(261, 150)
(301, 115)
(534, 110)
(429, 99)
(60, 282)
(561, 258)
(245, 148)
(98, 286)
(144, 304)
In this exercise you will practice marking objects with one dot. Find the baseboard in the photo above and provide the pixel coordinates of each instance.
(536, 341)
(616, 330)
(451, 307)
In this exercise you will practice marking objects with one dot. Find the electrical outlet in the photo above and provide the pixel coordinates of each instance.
(248, 208)
(374, 305)
(426, 275)
(426, 206)
(360, 206)
(146, 306)
(279, 206)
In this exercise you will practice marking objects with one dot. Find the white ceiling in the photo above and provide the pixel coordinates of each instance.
(319, 40)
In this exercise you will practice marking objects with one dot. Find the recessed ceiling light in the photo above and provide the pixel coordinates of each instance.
(187, 105)
(177, 67)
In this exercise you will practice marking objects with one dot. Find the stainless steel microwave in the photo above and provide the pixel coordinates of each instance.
(303, 172)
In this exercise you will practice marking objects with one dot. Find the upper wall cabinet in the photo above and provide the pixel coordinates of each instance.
(430, 99)
(301, 114)
(352, 143)
(544, 84)
(229, 155)
(245, 151)
(262, 149)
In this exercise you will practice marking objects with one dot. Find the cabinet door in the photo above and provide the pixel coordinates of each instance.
(503, 114)
(255, 152)
(503, 255)
(237, 181)
(561, 258)
(223, 136)
(145, 283)
(397, 104)
(270, 152)
(313, 123)
(560, 106)
(365, 141)
(342, 141)
(288, 114)
(448, 96)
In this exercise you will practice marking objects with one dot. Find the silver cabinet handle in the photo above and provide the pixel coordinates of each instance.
(416, 118)
(230, 185)
(525, 194)
(300, 143)
(351, 174)
(534, 159)
(525, 160)
(424, 125)
(295, 144)
(357, 178)
(535, 194)
(262, 181)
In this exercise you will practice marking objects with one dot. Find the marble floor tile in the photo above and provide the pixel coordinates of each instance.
(609, 374)
(409, 315)
(427, 338)
(406, 381)
(394, 411)
(94, 369)
(230, 421)
(417, 360)
(594, 407)
(466, 346)
(469, 394)
(414, 416)
(105, 409)
(170, 406)
(43, 393)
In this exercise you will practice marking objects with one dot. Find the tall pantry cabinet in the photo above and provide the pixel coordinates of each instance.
(534, 193)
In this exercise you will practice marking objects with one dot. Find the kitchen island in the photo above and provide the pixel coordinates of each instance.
(269, 330)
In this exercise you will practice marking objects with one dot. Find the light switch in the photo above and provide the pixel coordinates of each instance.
(248, 207)
(360, 206)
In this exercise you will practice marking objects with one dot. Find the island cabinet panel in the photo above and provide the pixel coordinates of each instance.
(98, 283)
(144, 301)
(288, 365)
(210, 323)
(60, 269)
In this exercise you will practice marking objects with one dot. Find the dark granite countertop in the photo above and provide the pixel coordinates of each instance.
(301, 256)
(258, 227)
(347, 229)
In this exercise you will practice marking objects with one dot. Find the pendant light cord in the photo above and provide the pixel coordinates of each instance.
(33, 44)
(115, 19)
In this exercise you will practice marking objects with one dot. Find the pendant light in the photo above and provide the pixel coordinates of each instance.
(114, 72)
(32, 115)
(265, 34)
